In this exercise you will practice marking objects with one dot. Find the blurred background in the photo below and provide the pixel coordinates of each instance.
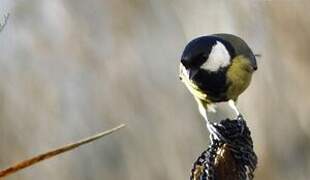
(69, 69)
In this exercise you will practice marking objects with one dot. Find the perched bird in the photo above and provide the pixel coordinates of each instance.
(217, 68)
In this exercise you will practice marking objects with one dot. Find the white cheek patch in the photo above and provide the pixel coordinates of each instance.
(218, 57)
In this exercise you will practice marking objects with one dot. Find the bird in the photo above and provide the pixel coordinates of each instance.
(217, 68)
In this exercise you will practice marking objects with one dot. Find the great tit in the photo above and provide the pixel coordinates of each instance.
(217, 68)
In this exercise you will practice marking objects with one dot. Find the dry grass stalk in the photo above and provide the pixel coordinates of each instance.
(29, 162)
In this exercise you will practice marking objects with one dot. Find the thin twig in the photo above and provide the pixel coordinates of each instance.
(2, 24)
(54, 152)
(258, 55)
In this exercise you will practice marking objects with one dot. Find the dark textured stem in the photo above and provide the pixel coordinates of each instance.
(226, 167)
(230, 155)
(54, 152)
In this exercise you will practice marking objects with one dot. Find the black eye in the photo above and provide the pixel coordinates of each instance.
(204, 57)
(199, 60)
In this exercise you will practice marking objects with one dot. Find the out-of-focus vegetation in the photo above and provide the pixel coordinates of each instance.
(72, 68)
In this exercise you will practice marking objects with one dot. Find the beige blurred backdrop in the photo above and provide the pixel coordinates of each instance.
(71, 68)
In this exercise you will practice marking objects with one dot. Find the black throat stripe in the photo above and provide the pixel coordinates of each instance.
(213, 84)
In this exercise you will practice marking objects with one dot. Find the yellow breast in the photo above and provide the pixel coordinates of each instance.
(239, 76)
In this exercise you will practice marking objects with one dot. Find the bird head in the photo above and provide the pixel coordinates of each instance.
(211, 54)
(208, 54)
